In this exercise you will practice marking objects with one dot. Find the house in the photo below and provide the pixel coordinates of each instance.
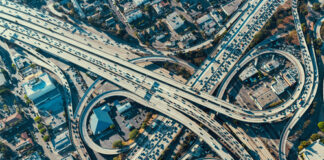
(24, 141)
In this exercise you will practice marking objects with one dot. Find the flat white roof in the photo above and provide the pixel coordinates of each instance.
(248, 72)
(38, 86)
(314, 152)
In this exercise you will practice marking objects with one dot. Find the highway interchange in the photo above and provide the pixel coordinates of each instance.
(149, 88)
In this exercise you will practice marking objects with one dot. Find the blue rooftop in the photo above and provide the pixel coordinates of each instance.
(100, 119)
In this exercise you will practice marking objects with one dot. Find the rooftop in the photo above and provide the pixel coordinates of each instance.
(100, 119)
(174, 20)
(248, 72)
(38, 86)
(123, 108)
(280, 85)
(41, 90)
(270, 65)
(314, 151)
(62, 141)
(231, 7)
(33, 156)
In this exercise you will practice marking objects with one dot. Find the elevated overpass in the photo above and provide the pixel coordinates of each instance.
(150, 86)
(311, 83)
(172, 113)
(63, 47)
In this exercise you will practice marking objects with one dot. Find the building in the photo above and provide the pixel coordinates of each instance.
(216, 16)
(41, 90)
(28, 71)
(20, 62)
(62, 142)
(33, 156)
(231, 6)
(69, 157)
(3, 80)
(158, 8)
(56, 121)
(280, 85)
(207, 24)
(174, 21)
(123, 108)
(139, 2)
(248, 72)
(100, 119)
(186, 40)
(24, 141)
(10, 120)
(133, 15)
(270, 65)
(288, 78)
(264, 97)
(315, 151)
(110, 21)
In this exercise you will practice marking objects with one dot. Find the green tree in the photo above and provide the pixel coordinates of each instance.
(315, 137)
(321, 126)
(305, 143)
(5, 107)
(32, 65)
(37, 119)
(118, 144)
(46, 138)
(112, 126)
(133, 133)
(40, 125)
(322, 140)
(13, 66)
(42, 131)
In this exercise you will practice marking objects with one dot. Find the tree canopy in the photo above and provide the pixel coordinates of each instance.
(321, 126)
(133, 134)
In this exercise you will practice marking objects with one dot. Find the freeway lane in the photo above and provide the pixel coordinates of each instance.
(236, 31)
(311, 82)
(171, 86)
(86, 97)
(106, 44)
(133, 88)
(39, 35)
(233, 44)
(190, 67)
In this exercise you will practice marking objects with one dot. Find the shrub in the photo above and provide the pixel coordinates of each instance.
(118, 144)
(37, 119)
(133, 134)
(42, 130)
(315, 137)
(40, 125)
(321, 126)
(46, 138)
